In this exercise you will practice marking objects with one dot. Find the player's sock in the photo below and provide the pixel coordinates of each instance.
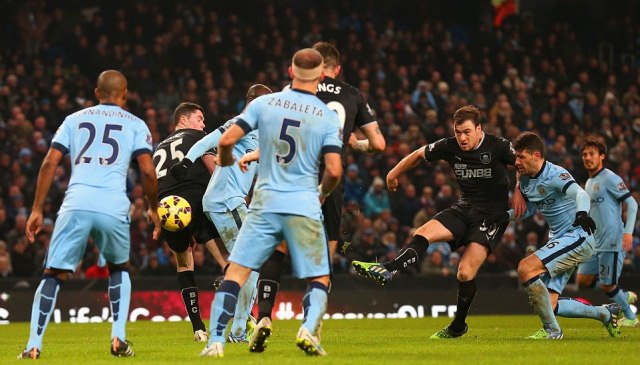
(571, 308)
(44, 302)
(409, 255)
(189, 291)
(619, 296)
(539, 299)
(119, 297)
(314, 304)
(222, 308)
(269, 284)
(245, 303)
(466, 293)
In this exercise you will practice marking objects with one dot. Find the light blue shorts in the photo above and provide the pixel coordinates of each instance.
(228, 224)
(262, 232)
(563, 254)
(73, 229)
(607, 265)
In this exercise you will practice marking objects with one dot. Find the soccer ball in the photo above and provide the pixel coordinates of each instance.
(174, 212)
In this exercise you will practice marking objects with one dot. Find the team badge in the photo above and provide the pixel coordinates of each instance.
(541, 190)
(596, 187)
(564, 176)
(485, 157)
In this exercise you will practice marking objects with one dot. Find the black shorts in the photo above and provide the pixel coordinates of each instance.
(332, 212)
(201, 229)
(465, 222)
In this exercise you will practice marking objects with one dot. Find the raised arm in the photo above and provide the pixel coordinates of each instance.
(406, 164)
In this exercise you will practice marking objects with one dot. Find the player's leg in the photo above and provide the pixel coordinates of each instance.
(245, 256)
(611, 267)
(587, 275)
(65, 251)
(306, 238)
(269, 281)
(442, 228)
(112, 237)
(472, 258)
(228, 224)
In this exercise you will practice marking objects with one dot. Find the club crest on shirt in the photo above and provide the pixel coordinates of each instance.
(541, 190)
(564, 176)
(485, 157)
(622, 187)
(596, 187)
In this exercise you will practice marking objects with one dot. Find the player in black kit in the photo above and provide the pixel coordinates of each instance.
(189, 122)
(480, 163)
(353, 112)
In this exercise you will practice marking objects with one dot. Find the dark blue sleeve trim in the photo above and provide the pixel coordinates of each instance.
(331, 149)
(60, 148)
(244, 125)
(566, 186)
(624, 197)
(139, 152)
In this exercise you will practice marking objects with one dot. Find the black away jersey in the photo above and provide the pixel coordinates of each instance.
(481, 173)
(170, 152)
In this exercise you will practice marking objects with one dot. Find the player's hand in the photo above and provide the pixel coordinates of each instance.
(353, 140)
(248, 158)
(519, 204)
(392, 183)
(627, 242)
(152, 216)
(34, 225)
(583, 220)
(179, 171)
(498, 219)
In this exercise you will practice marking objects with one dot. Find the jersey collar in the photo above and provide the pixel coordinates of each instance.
(480, 143)
(598, 173)
(302, 91)
(544, 165)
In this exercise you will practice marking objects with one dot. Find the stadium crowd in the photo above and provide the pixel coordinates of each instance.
(415, 63)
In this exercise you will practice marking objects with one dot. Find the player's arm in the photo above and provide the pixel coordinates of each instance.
(248, 158)
(632, 211)
(199, 149)
(150, 186)
(227, 141)
(583, 204)
(375, 140)
(501, 218)
(519, 203)
(406, 164)
(45, 178)
(332, 174)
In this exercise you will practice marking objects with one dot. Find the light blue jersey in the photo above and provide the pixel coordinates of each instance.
(547, 192)
(296, 129)
(101, 142)
(228, 186)
(607, 192)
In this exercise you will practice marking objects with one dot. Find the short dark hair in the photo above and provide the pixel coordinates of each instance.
(467, 112)
(594, 143)
(257, 90)
(530, 142)
(185, 109)
(329, 52)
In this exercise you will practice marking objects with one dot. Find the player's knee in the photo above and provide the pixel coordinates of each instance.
(118, 267)
(524, 268)
(57, 273)
(607, 288)
(466, 273)
(586, 281)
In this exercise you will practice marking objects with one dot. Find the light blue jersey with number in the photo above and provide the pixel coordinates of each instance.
(101, 142)
(546, 192)
(607, 192)
(296, 129)
(228, 186)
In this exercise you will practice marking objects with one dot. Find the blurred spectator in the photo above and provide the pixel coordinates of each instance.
(376, 199)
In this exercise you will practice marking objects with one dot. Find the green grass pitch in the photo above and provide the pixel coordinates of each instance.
(491, 340)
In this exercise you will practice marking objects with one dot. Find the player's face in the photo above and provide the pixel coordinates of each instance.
(195, 120)
(468, 135)
(592, 159)
(528, 163)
